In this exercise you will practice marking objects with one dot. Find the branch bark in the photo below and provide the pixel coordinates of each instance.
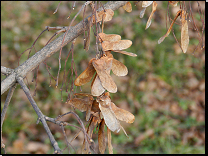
(51, 48)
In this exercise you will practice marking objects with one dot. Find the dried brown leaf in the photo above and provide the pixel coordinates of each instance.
(122, 114)
(110, 147)
(119, 68)
(101, 137)
(109, 37)
(154, 7)
(96, 87)
(127, 7)
(168, 32)
(86, 75)
(184, 32)
(103, 67)
(125, 52)
(146, 3)
(117, 45)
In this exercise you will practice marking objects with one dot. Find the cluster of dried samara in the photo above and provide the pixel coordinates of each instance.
(103, 111)
(184, 23)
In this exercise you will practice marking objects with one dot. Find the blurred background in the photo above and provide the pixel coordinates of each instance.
(164, 88)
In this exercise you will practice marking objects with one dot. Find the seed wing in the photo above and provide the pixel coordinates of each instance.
(110, 119)
(122, 114)
(103, 67)
(184, 32)
(117, 45)
(119, 68)
(86, 75)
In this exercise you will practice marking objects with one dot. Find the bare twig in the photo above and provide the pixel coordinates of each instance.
(40, 115)
(3, 113)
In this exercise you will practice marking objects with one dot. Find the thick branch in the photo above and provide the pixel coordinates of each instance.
(51, 48)
(6, 71)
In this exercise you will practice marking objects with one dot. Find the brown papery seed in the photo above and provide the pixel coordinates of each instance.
(184, 32)
(86, 75)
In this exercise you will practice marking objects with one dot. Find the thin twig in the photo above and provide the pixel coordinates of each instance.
(3, 113)
(40, 115)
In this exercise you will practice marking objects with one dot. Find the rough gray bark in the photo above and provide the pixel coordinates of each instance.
(50, 49)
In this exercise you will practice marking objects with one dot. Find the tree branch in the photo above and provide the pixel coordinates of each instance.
(51, 48)
(3, 113)
(6, 71)
(40, 115)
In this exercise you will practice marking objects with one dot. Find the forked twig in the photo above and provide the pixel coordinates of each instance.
(40, 115)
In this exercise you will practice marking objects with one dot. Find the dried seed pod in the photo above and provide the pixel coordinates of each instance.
(122, 114)
(111, 113)
(86, 75)
(90, 129)
(109, 117)
(103, 67)
(84, 94)
(96, 87)
(184, 32)
(125, 52)
(95, 107)
(101, 137)
(142, 13)
(110, 147)
(119, 68)
(173, 3)
(81, 104)
(109, 37)
(107, 15)
(117, 45)
(127, 7)
(146, 3)
(154, 7)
